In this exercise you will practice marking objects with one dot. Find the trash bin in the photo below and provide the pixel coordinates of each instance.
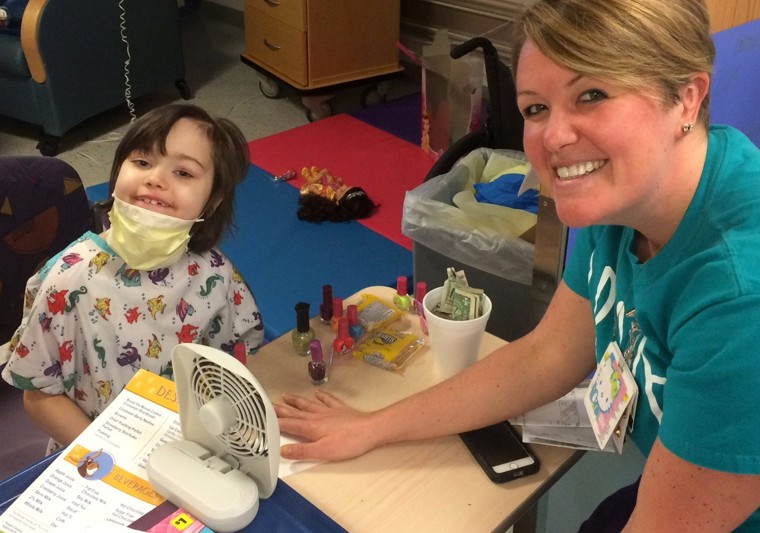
(491, 245)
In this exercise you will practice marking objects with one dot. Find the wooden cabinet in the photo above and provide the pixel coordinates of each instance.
(726, 14)
(311, 44)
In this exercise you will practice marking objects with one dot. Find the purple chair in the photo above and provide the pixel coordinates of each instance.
(43, 207)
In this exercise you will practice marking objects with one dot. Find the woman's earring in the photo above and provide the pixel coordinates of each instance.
(686, 128)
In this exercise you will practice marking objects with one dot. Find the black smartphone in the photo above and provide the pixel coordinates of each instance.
(500, 452)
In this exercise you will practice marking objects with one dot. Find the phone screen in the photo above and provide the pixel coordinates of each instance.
(498, 445)
(499, 449)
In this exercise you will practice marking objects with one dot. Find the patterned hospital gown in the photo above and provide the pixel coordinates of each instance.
(90, 322)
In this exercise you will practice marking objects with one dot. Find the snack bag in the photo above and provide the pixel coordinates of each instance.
(375, 313)
(388, 349)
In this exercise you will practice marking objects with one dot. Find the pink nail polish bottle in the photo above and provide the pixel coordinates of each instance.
(355, 328)
(337, 312)
(343, 341)
(401, 299)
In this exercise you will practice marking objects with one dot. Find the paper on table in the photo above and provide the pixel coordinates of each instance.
(579, 438)
(563, 422)
(112, 486)
(288, 466)
(101, 476)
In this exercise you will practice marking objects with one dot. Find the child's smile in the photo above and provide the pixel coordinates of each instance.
(178, 182)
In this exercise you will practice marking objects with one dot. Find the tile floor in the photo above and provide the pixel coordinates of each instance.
(213, 40)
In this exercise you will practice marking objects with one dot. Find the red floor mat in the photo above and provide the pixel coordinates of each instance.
(362, 155)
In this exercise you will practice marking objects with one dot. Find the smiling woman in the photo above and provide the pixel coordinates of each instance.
(662, 283)
(580, 99)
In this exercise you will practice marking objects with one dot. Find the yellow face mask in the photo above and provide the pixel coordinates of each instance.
(147, 240)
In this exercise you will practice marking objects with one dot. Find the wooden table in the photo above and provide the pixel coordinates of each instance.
(431, 485)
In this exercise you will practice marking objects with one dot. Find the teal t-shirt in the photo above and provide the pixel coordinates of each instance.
(697, 302)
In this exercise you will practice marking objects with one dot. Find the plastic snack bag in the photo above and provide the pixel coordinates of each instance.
(375, 313)
(388, 349)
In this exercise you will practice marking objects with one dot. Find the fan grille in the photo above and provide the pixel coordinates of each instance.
(247, 437)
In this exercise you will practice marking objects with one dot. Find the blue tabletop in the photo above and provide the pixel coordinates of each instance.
(284, 510)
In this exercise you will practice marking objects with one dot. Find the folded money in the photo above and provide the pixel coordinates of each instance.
(459, 301)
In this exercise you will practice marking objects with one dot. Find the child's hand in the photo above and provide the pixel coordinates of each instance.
(335, 430)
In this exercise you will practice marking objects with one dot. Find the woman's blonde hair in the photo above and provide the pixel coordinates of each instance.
(634, 44)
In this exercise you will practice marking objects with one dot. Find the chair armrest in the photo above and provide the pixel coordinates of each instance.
(30, 24)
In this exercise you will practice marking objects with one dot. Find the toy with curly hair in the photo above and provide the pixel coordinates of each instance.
(325, 197)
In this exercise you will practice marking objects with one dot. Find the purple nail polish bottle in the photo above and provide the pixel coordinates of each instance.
(317, 365)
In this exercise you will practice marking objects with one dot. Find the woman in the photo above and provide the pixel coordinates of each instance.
(615, 95)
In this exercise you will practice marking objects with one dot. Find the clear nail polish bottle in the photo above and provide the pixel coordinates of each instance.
(304, 333)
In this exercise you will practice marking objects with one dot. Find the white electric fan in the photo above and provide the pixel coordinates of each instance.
(229, 454)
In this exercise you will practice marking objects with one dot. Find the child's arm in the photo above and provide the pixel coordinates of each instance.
(57, 415)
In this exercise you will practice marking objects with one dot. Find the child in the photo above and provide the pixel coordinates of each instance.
(112, 303)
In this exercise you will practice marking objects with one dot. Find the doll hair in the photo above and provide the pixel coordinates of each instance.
(355, 203)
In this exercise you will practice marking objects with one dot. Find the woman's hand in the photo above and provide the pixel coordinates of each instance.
(335, 430)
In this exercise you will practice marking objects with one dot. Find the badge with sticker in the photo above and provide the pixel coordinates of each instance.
(610, 398)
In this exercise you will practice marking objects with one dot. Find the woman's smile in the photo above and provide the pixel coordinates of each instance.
(579, 170)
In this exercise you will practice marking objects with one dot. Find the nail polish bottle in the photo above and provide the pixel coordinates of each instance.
(419, 296)
(355, 329)
(337, 312)
(239, 352)
(317, 365)
(343, 341)
(303, 334)
(401, 299)
(325, 308)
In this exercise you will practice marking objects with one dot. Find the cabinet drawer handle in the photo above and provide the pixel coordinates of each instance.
(272, 46)
(273, 3)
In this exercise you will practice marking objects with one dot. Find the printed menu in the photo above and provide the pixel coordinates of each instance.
(101, 478)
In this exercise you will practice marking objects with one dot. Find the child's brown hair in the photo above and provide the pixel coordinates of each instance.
(230, 159)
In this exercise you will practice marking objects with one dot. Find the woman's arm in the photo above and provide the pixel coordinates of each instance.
(57, 415)
(676, 495)
(529, 372)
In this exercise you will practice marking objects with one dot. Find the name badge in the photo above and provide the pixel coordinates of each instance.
(611, 398)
